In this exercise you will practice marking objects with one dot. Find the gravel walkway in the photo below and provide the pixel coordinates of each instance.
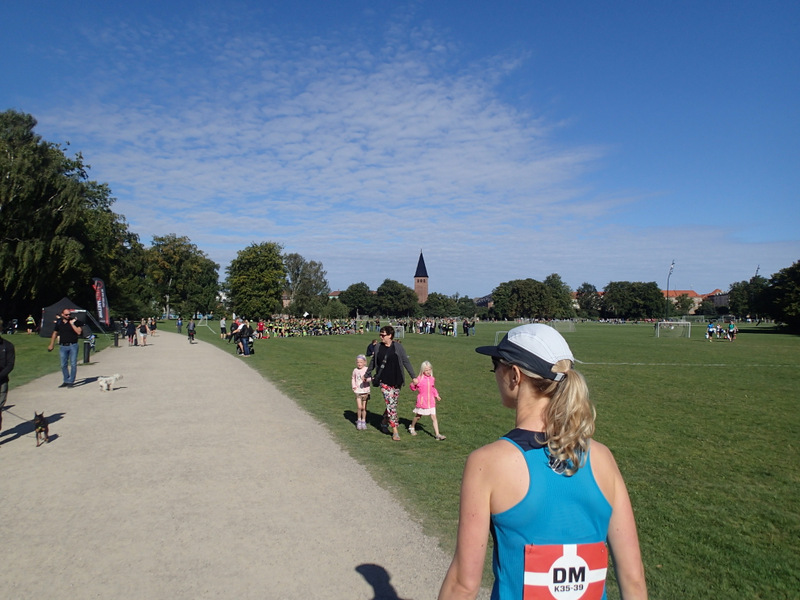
(194, 478)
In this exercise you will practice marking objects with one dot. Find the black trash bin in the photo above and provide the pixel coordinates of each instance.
(116, 339)
(87, 350)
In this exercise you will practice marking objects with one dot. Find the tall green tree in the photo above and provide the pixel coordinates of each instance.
(439, 305)
(589, 301)
(130, 290)
(501, 300)
(256, 280)
(359, 300)
(307, 284)
(633, 300)
(784, 296)
(524, 298)
(560, 297)
(397, 300)
(182, 276)
(707, 308)
(465, 307)
(749, 298)
(682, 304)
(57, 226)
(335, 309)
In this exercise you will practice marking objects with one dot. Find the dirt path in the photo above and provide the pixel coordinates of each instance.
(195, 478)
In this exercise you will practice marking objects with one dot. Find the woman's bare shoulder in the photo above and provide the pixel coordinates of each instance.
(493, 459)
(604, 469)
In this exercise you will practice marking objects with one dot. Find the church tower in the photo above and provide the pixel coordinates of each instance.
(421, 280)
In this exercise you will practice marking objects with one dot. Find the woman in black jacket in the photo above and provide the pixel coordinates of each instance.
(389, 359)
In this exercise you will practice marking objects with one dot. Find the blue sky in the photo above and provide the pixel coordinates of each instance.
(504, 139)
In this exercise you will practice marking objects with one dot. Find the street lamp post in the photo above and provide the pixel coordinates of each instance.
(666, 306)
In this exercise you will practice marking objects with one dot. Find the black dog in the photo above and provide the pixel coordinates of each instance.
(41, 427)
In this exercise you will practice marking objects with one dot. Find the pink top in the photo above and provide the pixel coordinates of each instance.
(357, 381)
(427, 396)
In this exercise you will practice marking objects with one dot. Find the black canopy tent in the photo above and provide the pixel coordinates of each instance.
(50, 314)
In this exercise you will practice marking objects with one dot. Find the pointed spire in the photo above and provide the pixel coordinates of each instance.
(421, 270)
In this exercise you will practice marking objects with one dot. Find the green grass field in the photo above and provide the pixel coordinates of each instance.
(705, 435)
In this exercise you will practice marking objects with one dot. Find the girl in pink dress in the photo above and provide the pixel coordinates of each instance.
(427, 398)
(360, 384)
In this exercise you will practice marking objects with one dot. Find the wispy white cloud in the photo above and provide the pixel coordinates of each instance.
(353, 153)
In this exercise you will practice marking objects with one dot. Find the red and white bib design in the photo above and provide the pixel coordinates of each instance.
(568, 572)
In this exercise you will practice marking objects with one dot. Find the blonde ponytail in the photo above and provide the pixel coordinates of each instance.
(569, 417)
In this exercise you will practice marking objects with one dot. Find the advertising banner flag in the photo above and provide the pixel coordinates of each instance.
(102, 301)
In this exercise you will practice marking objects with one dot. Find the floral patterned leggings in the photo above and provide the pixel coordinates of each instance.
(390, 395)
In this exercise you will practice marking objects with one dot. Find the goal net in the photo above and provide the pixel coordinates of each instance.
(563, 326)
(204, 321)
(399, 332)
(674, 329)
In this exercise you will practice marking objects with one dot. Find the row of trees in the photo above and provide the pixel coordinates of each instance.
(59, 231)
(777, 297)
(261, 276)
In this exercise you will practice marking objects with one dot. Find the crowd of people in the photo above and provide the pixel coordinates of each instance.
(302, 326)
(441, 326)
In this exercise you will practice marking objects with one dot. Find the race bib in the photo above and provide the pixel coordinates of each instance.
(568, 572)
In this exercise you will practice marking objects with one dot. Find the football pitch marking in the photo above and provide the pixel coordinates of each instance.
(643, 364)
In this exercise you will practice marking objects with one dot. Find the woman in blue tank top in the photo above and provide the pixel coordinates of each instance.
(552, 498)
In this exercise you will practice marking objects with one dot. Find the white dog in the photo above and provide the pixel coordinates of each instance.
(107, 383)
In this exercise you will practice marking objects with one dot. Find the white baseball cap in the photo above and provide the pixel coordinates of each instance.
(535, 348)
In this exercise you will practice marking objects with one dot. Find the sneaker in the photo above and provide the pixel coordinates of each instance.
(412, 431)
(439, 438)
(395, 437)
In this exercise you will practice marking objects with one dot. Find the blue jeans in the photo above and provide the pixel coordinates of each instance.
(69, 359)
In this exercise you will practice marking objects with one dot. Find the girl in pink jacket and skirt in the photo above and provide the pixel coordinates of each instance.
(427, 398)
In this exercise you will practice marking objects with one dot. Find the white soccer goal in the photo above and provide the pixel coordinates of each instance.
(399, 332)
(203, 321)
(674, 329)
(563, 326)
(499, 336)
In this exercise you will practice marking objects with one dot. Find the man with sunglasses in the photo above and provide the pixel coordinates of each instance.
(67, 329)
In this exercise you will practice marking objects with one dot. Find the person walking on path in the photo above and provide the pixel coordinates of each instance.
(390, 359)
(143, 332)
(427, 398)
(191, 329)
(360, 387)
(551, 496)
(130, 331)
(67, 329)
(7, 359)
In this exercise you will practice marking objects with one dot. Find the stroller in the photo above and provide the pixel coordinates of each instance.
(11, 327)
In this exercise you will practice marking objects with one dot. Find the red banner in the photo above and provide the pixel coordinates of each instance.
(102, 301)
